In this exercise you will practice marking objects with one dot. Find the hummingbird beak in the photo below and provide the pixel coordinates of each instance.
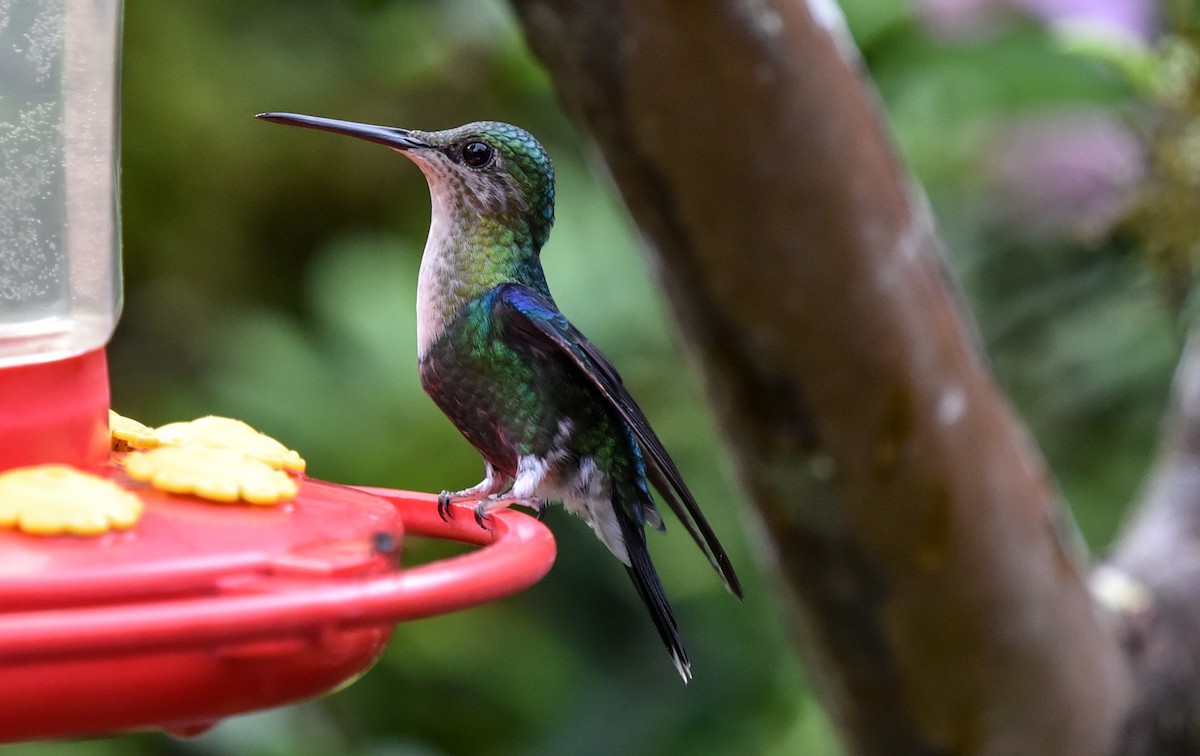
(388, 136)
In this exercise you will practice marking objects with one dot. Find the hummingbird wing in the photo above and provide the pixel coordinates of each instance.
(533, 316)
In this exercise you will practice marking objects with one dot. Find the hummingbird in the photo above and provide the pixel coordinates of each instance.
(545, 409)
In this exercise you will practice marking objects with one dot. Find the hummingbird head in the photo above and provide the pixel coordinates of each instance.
(485, 173)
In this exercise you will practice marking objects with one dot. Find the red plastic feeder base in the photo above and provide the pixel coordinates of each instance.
(205, 611)
(58, 410)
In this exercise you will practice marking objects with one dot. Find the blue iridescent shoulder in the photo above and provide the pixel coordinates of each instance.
(530, 303)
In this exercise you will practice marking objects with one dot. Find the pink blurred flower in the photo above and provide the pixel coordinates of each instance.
(1069, 174)
(958, 18)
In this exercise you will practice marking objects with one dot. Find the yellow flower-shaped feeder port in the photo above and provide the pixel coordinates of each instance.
(225, 475)
(227, 433)
(215, 458)
(129, 434)
(57, 499)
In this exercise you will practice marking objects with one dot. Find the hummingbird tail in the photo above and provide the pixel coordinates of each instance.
(649, 587)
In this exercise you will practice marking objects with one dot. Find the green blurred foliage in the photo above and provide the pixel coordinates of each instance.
(270, 275)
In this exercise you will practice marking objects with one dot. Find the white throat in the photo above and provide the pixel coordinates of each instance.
(432, 282)
(440, 282)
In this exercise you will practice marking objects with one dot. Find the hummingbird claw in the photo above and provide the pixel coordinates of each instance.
(481, 515)
(443, 505)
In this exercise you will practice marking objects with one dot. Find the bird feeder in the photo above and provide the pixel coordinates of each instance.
(170, 577)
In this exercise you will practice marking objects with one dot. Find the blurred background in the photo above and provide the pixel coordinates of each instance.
(270, 275)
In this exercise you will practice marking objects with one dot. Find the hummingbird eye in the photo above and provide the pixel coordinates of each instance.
(477, 154)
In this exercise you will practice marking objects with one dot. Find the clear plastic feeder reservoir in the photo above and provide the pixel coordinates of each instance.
(60, 290)
(60, 283)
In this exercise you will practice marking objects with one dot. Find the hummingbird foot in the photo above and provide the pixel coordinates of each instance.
(500, 501)
(493, 483)
(481, 515)
(444, 512)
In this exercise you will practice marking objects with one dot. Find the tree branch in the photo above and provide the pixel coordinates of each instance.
(1153, 580)
(914, 526)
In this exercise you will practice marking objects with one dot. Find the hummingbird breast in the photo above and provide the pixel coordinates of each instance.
(531, 418)
(508, 401)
